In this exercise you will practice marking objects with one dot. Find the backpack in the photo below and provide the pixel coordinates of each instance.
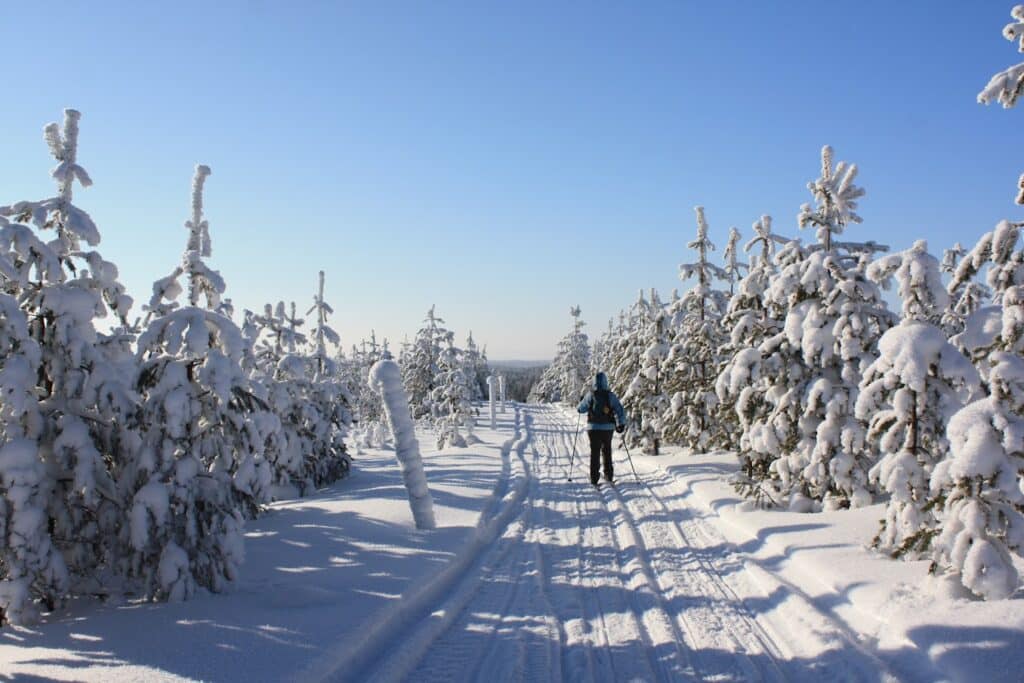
(601, 408)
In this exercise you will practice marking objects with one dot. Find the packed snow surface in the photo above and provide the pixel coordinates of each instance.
(530, 577)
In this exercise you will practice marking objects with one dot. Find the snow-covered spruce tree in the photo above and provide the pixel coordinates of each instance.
(646, 393)
(601, 353)
(998, 326)
(567, 377)
(906, 399)
(452, 397)
(201, 468)
(733, 266)
(327, 410)
(740, 387)
(372, 430)
(420, 365)
(279, 376)
(834, 316)
(693, 361)
(1006, 86)
(626, 358)
(32, 570)
(978, 486)
(475, 368)
(81, 436)
(575, 352)
(622, 357)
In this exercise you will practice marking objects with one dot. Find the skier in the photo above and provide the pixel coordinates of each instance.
(604, 414)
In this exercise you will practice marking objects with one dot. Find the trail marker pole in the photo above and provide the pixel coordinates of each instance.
(490, 395)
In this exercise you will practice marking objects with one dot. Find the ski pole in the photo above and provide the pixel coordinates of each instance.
(630, 458)
(577, 436)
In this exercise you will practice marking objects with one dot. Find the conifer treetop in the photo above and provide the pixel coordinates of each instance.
(835, 197)
(199, 229)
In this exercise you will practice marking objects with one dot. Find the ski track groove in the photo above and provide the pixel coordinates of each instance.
(564, 583)
(823, 627)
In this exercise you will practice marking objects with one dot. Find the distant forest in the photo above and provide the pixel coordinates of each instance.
(519, 378)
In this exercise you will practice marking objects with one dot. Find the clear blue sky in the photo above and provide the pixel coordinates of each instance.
(501, 160)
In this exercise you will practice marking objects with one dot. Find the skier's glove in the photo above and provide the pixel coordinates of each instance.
(620, 428)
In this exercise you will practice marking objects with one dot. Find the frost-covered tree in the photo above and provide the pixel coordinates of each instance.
(601, 354)
(32, 570)
(693, 361)
(748, 321)
(475, 368)
(965, 296)
(1006, 86)
(323, 333)
(646, 393)
(575, 352)
(835, 316)
(453, 397)
(733, 266)
(907, 397)
(420, 365)
(78, 432)
(568, 375)
(201, 468)
(978, 486)
(1000, 326)
(809, 372)
(625, 356)
(327, 409)
(372, 431)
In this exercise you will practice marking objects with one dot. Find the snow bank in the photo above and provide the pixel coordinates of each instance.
(922, 627)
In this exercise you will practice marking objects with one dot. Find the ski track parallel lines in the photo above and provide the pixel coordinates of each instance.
(356, 661)
(561, 582)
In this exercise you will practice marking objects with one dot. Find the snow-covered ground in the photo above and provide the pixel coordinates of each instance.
(531, 577)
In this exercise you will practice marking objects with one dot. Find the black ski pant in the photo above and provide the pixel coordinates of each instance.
(600, 449)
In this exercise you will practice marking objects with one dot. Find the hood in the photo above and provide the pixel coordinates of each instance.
(601, 381)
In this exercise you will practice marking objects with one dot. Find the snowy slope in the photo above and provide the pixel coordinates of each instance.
(531, 577)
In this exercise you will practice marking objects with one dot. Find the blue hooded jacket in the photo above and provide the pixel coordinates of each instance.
(601, 382)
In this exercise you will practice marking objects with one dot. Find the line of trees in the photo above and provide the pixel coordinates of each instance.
(441, 379)
(131, 456)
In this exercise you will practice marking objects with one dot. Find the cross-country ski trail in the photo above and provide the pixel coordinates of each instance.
(567, 582)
